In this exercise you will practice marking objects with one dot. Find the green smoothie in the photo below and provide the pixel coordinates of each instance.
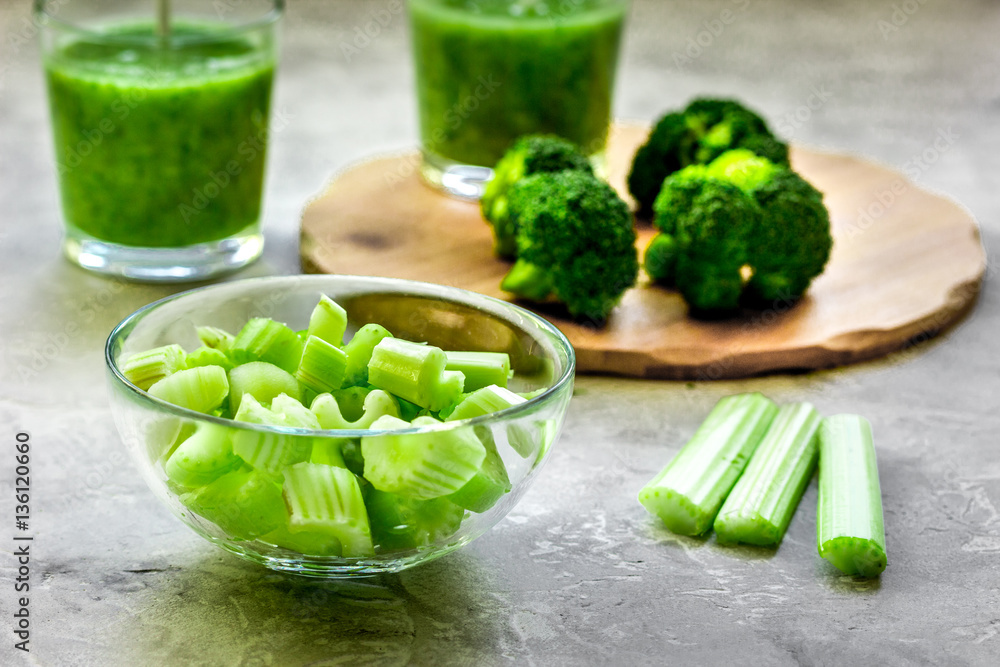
(160, 145)
(489, 71)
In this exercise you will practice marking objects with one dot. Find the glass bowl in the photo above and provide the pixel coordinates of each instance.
(541, 358)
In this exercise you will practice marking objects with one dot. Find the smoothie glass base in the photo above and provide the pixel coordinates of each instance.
(189, 263)
(464, 181)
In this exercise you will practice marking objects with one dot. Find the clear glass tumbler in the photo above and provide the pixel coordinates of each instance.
(160, 121)
(490, 71)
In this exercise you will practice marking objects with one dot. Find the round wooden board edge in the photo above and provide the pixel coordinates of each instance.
(787, 362)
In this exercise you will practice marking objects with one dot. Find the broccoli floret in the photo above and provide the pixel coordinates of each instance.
(666, 151)
(793, 243)
(660, 260)
(529, 155)
(575, 241)
(706, 226)
(703, 131)
(739, 217)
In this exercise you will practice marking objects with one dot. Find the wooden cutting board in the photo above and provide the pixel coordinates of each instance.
(906, 264)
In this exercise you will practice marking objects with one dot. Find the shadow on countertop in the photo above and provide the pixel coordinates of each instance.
(222, 611)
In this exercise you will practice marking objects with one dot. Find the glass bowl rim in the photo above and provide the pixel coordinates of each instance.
(45, 18)
(460, 296)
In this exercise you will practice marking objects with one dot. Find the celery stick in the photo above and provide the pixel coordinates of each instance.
(485, 401)
(415, 373)
(147, 368)
(327, 499)
(488, 485)
(215, 338)
(261, 380)
(270, 452)
(322, 366)
(328, 321)
(359, 353)
(481, 369)
(760, 506)
(244, 503)
(849, 522)
(377, 404)
(207, 356)
(262, 339)
(421, 465)
(203, 457)
(201, 389)
(688, 492)
(402, 524)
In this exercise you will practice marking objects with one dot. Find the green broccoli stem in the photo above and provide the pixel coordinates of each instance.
(527, 281)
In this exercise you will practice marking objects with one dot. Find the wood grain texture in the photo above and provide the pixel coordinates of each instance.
(905, 263)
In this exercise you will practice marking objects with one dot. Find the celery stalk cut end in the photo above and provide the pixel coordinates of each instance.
(854, 555)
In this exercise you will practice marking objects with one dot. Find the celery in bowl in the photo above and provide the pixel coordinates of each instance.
(285, 420)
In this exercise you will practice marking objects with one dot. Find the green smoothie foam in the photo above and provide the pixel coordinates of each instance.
(160, 146)
(490, 71)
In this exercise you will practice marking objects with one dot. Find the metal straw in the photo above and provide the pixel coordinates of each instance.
(163, 21)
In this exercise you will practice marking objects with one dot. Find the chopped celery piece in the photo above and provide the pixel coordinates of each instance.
(207, 356)
(215, 338)
(147, 368)
(359, 353)
(269, 452)
(328, 321)
(289, 412)
(489, 484)
(327, 499)
(532, 438)
(311, 543)
(322, 365)
(485, 401)
(261, 380)
(203, 457)
(481, 369)
(163, 436)
(414, 372)
(444, 413)
(200, 389)
(688, 492)
(377, 404)
(355, 462)
(408, 411)
(328, 452)
(528, 395)
(421, 465)
(262, 339)
(244, 503)
(849, 523)
(351, 401)
(760, 506)
(402, 524)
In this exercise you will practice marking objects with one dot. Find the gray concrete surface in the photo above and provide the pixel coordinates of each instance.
(578, 573)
